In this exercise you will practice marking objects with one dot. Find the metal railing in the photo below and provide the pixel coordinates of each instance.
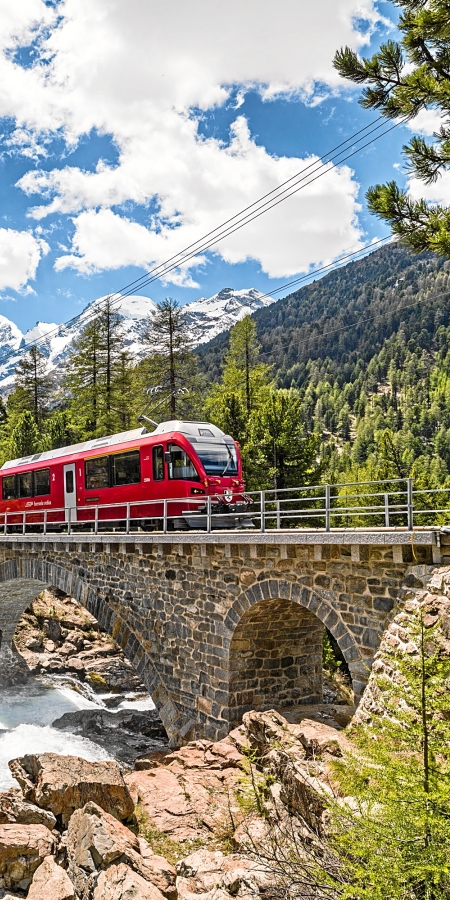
(391, 504)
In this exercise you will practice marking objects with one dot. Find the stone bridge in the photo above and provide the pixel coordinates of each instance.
(216, 624)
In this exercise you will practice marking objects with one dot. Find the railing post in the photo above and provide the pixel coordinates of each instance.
(128, 519)
(208, 515)
(165, 517)
(96, 520)
(45, 521)
(24, 519)
(409, 493)
(69, 520)
(386, 510)
(278, 516)
(327, 506)
(263, 511)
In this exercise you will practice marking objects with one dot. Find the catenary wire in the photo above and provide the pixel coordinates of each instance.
(332, 266)
(144, 280)
(349, 140)
(241, 224)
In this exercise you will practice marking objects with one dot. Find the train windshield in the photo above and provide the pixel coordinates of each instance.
(218, 458)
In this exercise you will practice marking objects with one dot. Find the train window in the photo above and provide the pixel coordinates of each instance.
(25, 484)
(9, 487)
(126, 468)
(41, 482)
(218, 458)
(96, 473)
(181, 466)
(70, 481)
(158, 463)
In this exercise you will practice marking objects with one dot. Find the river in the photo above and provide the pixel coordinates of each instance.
(28, 711)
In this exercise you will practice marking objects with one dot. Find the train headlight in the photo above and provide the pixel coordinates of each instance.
(228, 496)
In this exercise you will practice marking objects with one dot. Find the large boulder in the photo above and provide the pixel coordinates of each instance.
(63, 784)
(51, 882)
(22, 849)
(122, 883)
(96, 840)
(210, 875)
(176, 796)
(13, 808)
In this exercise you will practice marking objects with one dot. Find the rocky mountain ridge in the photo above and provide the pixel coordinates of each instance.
(207, 318)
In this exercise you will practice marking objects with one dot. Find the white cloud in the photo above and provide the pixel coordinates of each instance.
(137, 71)
(20, 253)
(439, 192)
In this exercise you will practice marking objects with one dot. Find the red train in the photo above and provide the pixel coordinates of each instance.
(160, 479)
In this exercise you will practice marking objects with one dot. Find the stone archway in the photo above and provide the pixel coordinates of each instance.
(21, 582)
(275, 650)
(275, 658)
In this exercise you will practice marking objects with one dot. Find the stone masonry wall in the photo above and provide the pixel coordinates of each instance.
(174, 607)
(275, 658)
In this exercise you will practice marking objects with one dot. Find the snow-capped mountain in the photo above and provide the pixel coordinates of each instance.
(207, 317)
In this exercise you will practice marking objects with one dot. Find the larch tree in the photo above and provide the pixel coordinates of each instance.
(169, 373)
(32, 387)
(244, 385)
(278, 452)
(402, 79)
(100, 394)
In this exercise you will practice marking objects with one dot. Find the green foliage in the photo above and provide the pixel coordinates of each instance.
(59, 431)
(25, 438)
(400, 80)
(330, 660)
(277, 452)
(392, 841)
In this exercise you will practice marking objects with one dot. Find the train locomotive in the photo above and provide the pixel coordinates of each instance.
(182, 475)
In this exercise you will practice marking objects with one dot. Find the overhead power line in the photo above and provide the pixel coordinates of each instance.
(254, 210)
(337, 264)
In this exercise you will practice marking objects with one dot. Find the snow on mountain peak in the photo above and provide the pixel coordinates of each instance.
(207, 317)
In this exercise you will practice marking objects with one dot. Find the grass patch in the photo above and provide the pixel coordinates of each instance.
(162, 844)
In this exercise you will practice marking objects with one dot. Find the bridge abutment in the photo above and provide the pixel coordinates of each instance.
(215, 624)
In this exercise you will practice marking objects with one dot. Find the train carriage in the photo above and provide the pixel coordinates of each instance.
(135, 477)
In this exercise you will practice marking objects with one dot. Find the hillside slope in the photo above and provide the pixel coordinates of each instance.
(344, 319)
(369, 348)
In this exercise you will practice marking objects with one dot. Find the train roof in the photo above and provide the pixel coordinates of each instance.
(93, 444)
(195, 431)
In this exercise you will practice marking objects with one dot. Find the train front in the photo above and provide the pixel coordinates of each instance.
(218, 467)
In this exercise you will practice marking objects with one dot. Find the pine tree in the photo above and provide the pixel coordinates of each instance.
(32, 387)
(402, 79)
(169, 372)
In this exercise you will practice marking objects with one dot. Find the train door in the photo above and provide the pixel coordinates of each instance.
(70, 497)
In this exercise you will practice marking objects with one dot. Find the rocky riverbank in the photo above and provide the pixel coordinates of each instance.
(65, 665)
(201, 822)
(177, 827)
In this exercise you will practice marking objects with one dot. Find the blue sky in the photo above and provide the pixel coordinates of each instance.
(129, 130)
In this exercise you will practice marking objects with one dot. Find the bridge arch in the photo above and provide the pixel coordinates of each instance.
(275, 649)
(20, 583)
